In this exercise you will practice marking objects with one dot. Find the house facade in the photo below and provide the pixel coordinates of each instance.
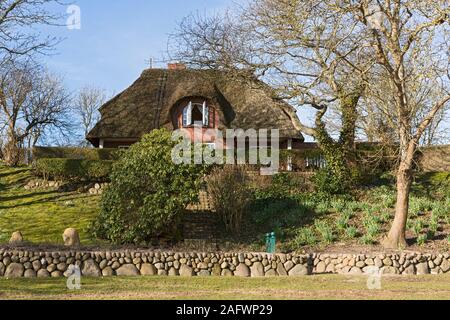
(195, 101)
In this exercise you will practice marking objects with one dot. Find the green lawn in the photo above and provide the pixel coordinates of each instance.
(196, 288)
(41, 215)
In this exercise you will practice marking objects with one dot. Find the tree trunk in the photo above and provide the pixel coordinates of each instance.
(349, 118)
(396, 239)
(340, 155)
(12, 151)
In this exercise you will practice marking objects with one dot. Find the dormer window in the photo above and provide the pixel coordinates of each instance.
(196, 115)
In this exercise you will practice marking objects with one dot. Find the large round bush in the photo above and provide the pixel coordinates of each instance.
(148, 192)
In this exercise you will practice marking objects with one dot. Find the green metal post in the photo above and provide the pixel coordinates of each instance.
(271, 242)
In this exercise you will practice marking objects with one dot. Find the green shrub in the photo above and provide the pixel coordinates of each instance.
(342, 222)
(353, 206)
(304, 237)
(430, 234)
(271, 214)
(422, 239)
(410, 224)
(325, 230)
(419, 206)
(281, 185)
(386, 198)
(367, 239)
(373, 212)
(441, 209)
(385, 217)
(323, 207)
(418, 226)
(72, 169)
(347, 214)
(148, 192)
(433, 225)
(230, 195)
(277, 207)
(370, 220)
(365, 206)
(436, 182)
(338, 205)
(76, 153)
(326, 181)
(373, 229)
(372, 225)
(309, 204)
(351, 232)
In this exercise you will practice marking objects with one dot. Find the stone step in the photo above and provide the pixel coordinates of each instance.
(200, 226)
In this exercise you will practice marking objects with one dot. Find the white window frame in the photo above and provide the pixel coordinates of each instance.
(205, 113)
(290, 166)
(187, 120)
(190, 107)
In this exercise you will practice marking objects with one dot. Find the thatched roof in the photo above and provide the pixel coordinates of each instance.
(148, 103)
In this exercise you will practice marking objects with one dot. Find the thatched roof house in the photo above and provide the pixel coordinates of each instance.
(179, 97)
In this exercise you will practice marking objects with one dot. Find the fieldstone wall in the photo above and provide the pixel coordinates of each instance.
(91, 188)
(41, 184)
(21, 263)
(97, 188)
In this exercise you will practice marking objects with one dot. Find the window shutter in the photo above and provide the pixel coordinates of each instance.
(189, 115)
(205, 115)
(185, 112)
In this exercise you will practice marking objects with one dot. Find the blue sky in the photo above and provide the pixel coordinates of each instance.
(117, 38)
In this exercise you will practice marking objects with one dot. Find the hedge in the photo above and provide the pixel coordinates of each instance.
(74, 169)
(75, 153)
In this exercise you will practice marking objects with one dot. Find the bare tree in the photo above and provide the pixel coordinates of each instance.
(311, 56)
(32, 101)
(15, 86)
(410, 40)
(48, 107)
(87, 105)
(19, 38)
(18, 19)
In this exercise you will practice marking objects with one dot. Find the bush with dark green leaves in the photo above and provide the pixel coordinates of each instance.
(326, 181)
(273, 213)
(148, 192)
(73, 169)
(75, 153)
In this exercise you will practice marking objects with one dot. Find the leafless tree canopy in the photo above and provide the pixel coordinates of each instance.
(32, 102)
(18, 19)
(439, 130)
(48, 107)
(87, 105)
(309, 54)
